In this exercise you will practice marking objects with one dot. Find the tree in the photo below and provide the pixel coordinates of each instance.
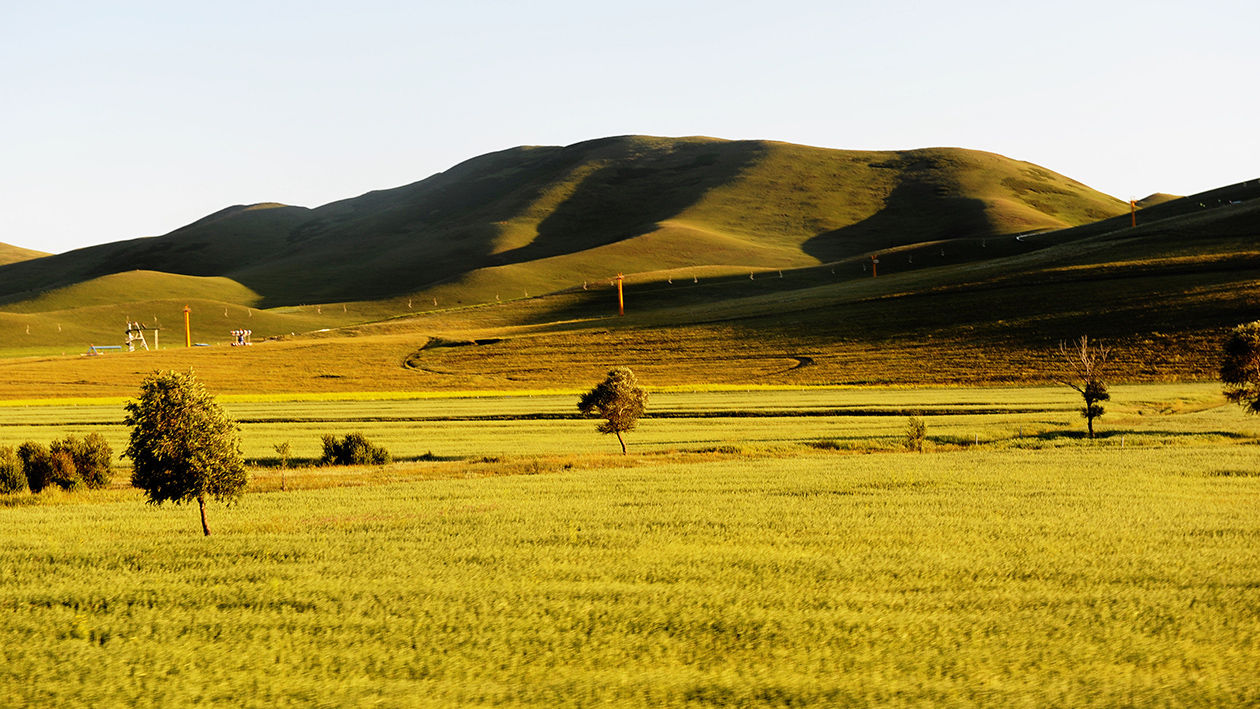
(1240, 367)
(183, 446)
(1085, 364)
(619, 400)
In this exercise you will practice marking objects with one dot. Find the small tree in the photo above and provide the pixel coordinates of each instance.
(1240, 367)
(619, 400)
(283, 450)
(183, 446)
(1084, 366)
(916, 433)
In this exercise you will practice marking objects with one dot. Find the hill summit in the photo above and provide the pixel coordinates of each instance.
(543, 218)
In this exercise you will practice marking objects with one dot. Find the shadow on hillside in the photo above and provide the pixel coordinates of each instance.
(624, 200)
(914, 212)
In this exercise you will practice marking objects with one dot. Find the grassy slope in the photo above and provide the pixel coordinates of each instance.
(1162, 293)
(557, 216)
(13, 254)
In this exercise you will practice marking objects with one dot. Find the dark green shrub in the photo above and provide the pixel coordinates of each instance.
(36, 465)
(91, 456)
(353, 449)
(11, 477)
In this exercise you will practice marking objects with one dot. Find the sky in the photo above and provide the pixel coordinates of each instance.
(125, 119)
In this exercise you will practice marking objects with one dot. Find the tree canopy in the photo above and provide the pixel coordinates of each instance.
(183, 447)
(1240, 367)
(619, 400)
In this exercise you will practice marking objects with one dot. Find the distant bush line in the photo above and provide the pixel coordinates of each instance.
(70, 463)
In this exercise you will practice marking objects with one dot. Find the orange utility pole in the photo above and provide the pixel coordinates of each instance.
(1133, 212)
(621, 298)
(874, 264)
(187, 328)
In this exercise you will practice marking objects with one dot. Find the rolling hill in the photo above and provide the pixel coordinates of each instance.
(543, 218)
(13, 254)
(745, 262)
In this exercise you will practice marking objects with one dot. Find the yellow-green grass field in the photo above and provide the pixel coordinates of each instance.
(1061, 577)
(770, 547)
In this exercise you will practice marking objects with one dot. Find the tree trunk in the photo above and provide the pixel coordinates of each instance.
(1089, 422)
(201, 502)
(623, 443)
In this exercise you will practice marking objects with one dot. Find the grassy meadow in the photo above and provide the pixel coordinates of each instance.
(772, 547)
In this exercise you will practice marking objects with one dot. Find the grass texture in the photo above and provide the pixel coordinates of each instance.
(1062, 577)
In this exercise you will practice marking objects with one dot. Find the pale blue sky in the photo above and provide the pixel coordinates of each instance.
(125, 119)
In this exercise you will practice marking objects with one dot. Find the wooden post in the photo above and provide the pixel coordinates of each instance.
(1133, 212)
(187, 327)
(621, 298)
(874, 267)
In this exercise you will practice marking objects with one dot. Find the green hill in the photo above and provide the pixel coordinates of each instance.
(744, 262)
(540, 218)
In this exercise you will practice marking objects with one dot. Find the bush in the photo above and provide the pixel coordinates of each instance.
(916, 433)
(353, 449)
(11, 478)
(61, 470)
(36, 464)
(91, 456)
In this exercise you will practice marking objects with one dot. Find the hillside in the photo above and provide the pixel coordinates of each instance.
(534, 219)
(13, 254)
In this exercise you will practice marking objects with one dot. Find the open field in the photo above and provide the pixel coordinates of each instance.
(1071, 576)
(501, 424)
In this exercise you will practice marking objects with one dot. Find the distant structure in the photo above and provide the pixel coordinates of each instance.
(135, 333)
(240, 338)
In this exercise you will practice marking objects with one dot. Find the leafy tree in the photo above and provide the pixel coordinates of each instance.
(1084, 366)
(353, 449)
(619, 400)
(1240, 367)
(12, 478)
(183, 446)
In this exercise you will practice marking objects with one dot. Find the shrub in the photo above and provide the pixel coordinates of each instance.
(91, 456)
(61, 470)
(916, 433)
(36, 464)
(11, 478)
(353, 449)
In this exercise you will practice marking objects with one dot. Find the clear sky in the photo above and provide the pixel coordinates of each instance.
(124, 119)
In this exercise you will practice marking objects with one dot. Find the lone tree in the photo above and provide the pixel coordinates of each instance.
(183, 447)
(1240, 368)
(1084, 374)
(619, 400)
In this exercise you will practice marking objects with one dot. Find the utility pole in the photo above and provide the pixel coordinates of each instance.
(1133, 212)
(621, 298)
(187, 327)
(874, 263)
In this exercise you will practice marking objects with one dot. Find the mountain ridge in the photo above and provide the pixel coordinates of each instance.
(550, 214)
